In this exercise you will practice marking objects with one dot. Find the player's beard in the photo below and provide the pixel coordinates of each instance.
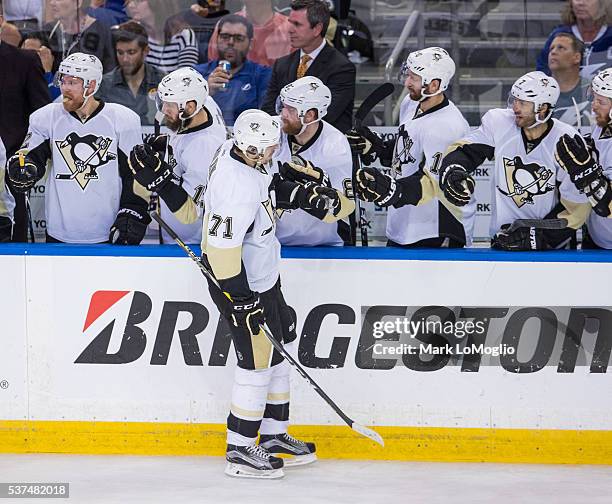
(72, 104)
(414, 95)
(291, 128)
(173, 124)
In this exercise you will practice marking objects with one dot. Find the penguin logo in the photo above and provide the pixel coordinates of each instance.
(83, 156)
(254, 127)
(401, 151)
(525, 181)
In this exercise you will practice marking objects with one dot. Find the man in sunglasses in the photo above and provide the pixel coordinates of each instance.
(243, 85)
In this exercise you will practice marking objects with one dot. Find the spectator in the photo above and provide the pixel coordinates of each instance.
(38, 41)
(308, 23)
(246, 82)
(167, 51)
(134, 82)
(25, 15)
(564, 62)
(270, 33)
(10, 34)
(201, 17)
(76, 31)
(20, 95)
(589, 21)
(108, 12)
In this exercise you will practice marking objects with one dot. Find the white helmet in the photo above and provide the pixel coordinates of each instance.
(538, 88)
(431, 63)
(602, 84)
(255, 131)
(182, 86)
(305, 94)
(84, 66)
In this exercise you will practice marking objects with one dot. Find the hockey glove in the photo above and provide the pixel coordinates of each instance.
(160, 144)
(23, 173)
(578, 160)
(456, 184)
(248, 313)
(6, 229)
(149, 169)
(368, 145)
(313, 197)
(303, 171)
(521, 239)
(375, 186)
(129, 227)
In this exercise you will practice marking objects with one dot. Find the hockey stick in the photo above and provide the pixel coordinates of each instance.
(375, 97)
(538, 224)
(360, 429)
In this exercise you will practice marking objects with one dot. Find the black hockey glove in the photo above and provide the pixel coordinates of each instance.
(129, 227)
(456, 184)
(368, 145)
(520, 240)
(149, 169)
(313, 197)
(160, 144)
(23, 173)
(375, 186)
(303, 171)
(6, 229)
(578, 160)
(248, 313)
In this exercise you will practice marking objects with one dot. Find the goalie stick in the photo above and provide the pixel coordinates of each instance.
(360, 429)
(375, 97)
(538, 224)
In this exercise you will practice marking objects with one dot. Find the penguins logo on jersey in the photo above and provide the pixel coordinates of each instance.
(525, 181)
(606, 132)
(401, 152)
(83, 156)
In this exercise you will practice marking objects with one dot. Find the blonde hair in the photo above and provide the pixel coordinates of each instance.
(604, 13)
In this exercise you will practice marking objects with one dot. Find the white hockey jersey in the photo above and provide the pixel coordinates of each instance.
(7, 202)
(89, 179)
(421, 143)
(527, 182)
(600, 228)
(240, 212)
(329, 150)
(193, 151)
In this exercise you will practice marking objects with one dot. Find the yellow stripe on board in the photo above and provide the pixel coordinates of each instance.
(401, 443)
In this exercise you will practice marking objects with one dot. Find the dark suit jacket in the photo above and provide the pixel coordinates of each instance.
(336, 72)
(23, 89)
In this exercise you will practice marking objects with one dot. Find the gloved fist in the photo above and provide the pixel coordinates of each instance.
(457, 184)
(375, 186)
(129, 228)
(303, 171)
(22, 173)
(160, 144)
(521, 239)
(248, 313)
(149, 169)
(366, 143)
(579, 160)
(311, 196)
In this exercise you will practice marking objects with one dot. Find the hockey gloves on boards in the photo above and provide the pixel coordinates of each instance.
(23, 173)
(579, 160)
(129, 228)
(368, 145)
(375, 186)
(456, 184)
(519, 240)
(248, 313)
(149, 169)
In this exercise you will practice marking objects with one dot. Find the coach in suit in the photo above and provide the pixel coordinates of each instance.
(308, 23)
(23, 89)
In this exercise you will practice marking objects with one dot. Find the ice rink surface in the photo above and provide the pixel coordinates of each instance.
(165, 480)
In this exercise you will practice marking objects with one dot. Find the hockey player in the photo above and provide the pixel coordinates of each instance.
(7, 202)
(307, 143)
(198, 131)
(418, 214)
(240, 247)
(90, 192)
(589, 164)
(527, 181)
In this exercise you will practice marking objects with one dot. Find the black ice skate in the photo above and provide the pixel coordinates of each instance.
(299, 452)
(252, 462)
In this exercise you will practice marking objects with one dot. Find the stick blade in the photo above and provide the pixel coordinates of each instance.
(375, 97)
(539, 224)
(369, 433)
